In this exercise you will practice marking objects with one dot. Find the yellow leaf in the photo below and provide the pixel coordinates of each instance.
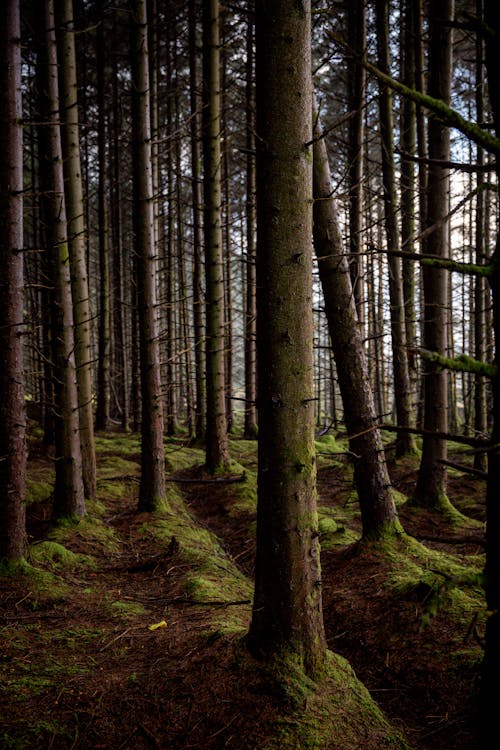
(157, 625)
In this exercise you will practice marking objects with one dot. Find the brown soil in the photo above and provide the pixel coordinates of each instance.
(125, 686)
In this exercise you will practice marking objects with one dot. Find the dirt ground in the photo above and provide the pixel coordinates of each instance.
(124, 685)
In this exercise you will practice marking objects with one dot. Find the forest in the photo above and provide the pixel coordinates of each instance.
(249, 393)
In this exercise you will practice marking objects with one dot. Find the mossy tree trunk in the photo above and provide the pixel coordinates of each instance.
(217, 450)
(287, 618)
(373, 486)
(12, 407)
(152, 491)
(490, 684)
(68, 491)
(76, 238)
(430, 490)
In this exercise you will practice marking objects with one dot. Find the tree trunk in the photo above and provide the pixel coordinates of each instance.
(104, 344)
(68, 491)
(152, 493)
(490, 682)
(76, 237)
(287, 616)
(378, 512)
(12, 407)
(356, 87)
(402, 389)
(250, 427)
(198, 325)
(217, 451)
(430, 490)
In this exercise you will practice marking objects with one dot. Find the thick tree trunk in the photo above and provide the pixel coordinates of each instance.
(68, 491)
(12, 408)
(217, 451)
(76, 237)
(431, 484)
(378, 512)
(490, 683)
(152, 492)
(287, 615)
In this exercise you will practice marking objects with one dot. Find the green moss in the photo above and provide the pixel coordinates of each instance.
(127, 609)
(94, 532)
(55, 556)
(38, 492)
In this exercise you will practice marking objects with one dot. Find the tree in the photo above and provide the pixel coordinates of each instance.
(152, 486)
(402, 389)
(70, 134)
(490, 683)
(69, 496)
(194, 132)
(431, 484)
(217, 451)
(378, 512)
(287, 616)
(12, 406)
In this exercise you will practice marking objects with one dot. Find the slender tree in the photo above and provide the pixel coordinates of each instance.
(68, 491)
(287, 614)
(76, 237)
(378, 512)
(250, 427)
(12, 406)
(431, 484)
(198, 324)
(217, 451)
(402, 389)
(152, 486)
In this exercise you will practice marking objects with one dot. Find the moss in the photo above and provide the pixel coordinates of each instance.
(38, 492)
(43, 585)
(127, 609)
(55, 556)
(94, 532)
(333, 713)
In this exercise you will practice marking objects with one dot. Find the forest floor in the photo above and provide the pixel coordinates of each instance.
(127, 630)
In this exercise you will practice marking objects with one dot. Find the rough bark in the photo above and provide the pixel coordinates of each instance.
(287, 614)
(152, 493)
(70, 134)
(431, 484)
(378, 512)
(68, 491)
(356, 86)
(102, 416)
(250, 427)
(490, 683)
(12, 407)
(402, 389)
(198, 323)
(217, 451)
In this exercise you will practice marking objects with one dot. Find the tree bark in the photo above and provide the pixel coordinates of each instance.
(402, 388)
(12, 407)
(287, 614)
(68, 491)
(152, 493)
(250, 427)
(217, 450)
(430, 490)
(378, 512)
(76, 237)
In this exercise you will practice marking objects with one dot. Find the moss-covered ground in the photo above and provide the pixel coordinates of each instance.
(127, 630)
